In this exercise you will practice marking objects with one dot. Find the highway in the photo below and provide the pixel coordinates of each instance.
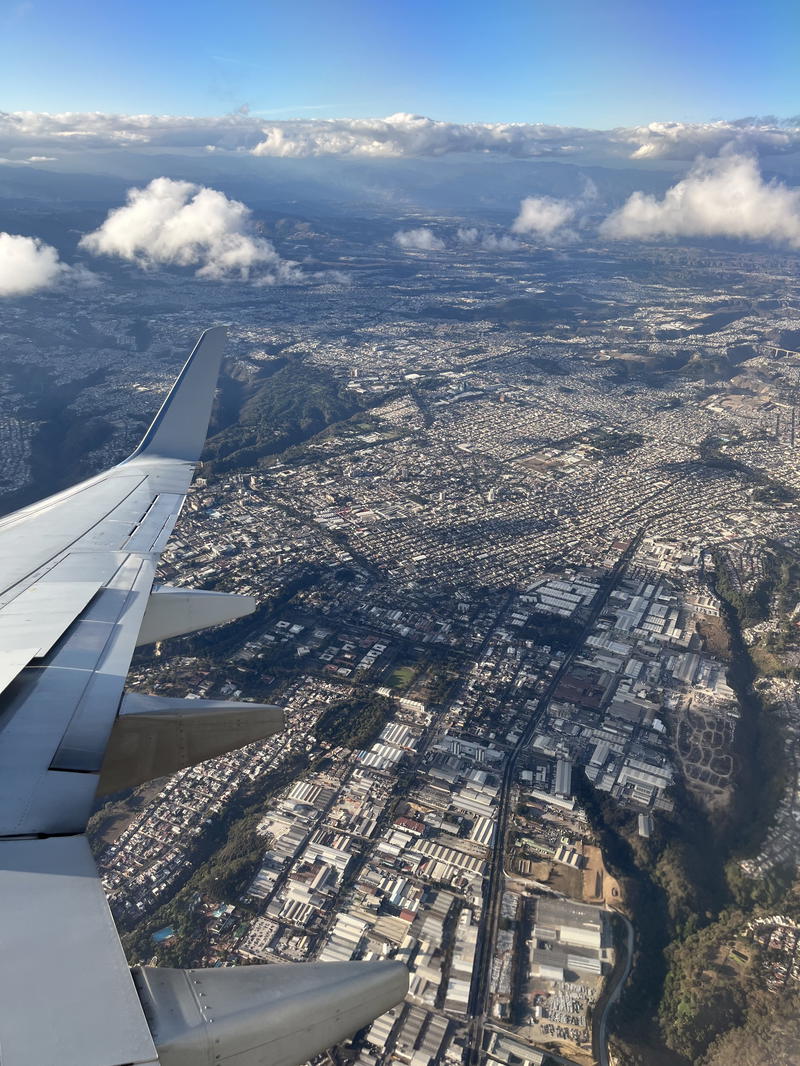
(479, 991)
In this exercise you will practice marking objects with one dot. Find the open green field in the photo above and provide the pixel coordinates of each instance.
(401, 677)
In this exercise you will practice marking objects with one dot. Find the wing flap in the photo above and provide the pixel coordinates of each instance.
(157, 523)
(43, 612)
(66, 990)
(57, 716)
(12, 662)
(31, 539)
(35, 619)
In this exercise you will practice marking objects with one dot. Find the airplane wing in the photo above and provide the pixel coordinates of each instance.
(77, 596)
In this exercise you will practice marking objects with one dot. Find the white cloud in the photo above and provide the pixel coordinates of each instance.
(334, 277)
(424, 239)
(542, 216)
(176, 222)
(418, 240)
(28, 264)
(722, 197)
(414, 135)
(39, 133)
(468, 235)
(489, 242)
(502, 243)
(685, 141)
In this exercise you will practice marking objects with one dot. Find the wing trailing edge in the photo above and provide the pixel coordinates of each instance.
(67, 997)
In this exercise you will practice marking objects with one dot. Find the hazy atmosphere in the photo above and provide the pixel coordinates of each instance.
(495, 711)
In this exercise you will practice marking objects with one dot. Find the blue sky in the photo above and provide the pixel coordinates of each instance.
(599, 64)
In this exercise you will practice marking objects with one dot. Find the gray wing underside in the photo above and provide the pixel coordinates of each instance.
(76, 598)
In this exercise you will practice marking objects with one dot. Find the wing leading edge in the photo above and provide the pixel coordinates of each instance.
(76, 598)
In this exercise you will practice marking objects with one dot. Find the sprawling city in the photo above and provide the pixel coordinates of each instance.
(399, 534)
(525, 544)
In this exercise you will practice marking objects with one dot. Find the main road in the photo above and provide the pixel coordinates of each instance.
(610, 995)
(493, 892)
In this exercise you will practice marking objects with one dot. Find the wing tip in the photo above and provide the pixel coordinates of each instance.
(179, 429)
(219, 329)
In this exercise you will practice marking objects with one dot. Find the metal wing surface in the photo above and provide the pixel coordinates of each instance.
(76, 598)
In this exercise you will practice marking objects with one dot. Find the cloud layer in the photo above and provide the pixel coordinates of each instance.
(685, 141)
(722, 197)
(178, 223)
(29, 133)
(40, 131)
(28, 264)
(414, 135)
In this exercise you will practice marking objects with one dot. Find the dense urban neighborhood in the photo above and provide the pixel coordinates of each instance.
(528, 574)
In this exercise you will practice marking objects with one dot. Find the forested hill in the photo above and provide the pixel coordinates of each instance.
(293, 404)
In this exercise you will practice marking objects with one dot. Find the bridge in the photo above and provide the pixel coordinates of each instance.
(780, 351)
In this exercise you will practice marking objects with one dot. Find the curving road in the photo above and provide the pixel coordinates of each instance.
(611, 995)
